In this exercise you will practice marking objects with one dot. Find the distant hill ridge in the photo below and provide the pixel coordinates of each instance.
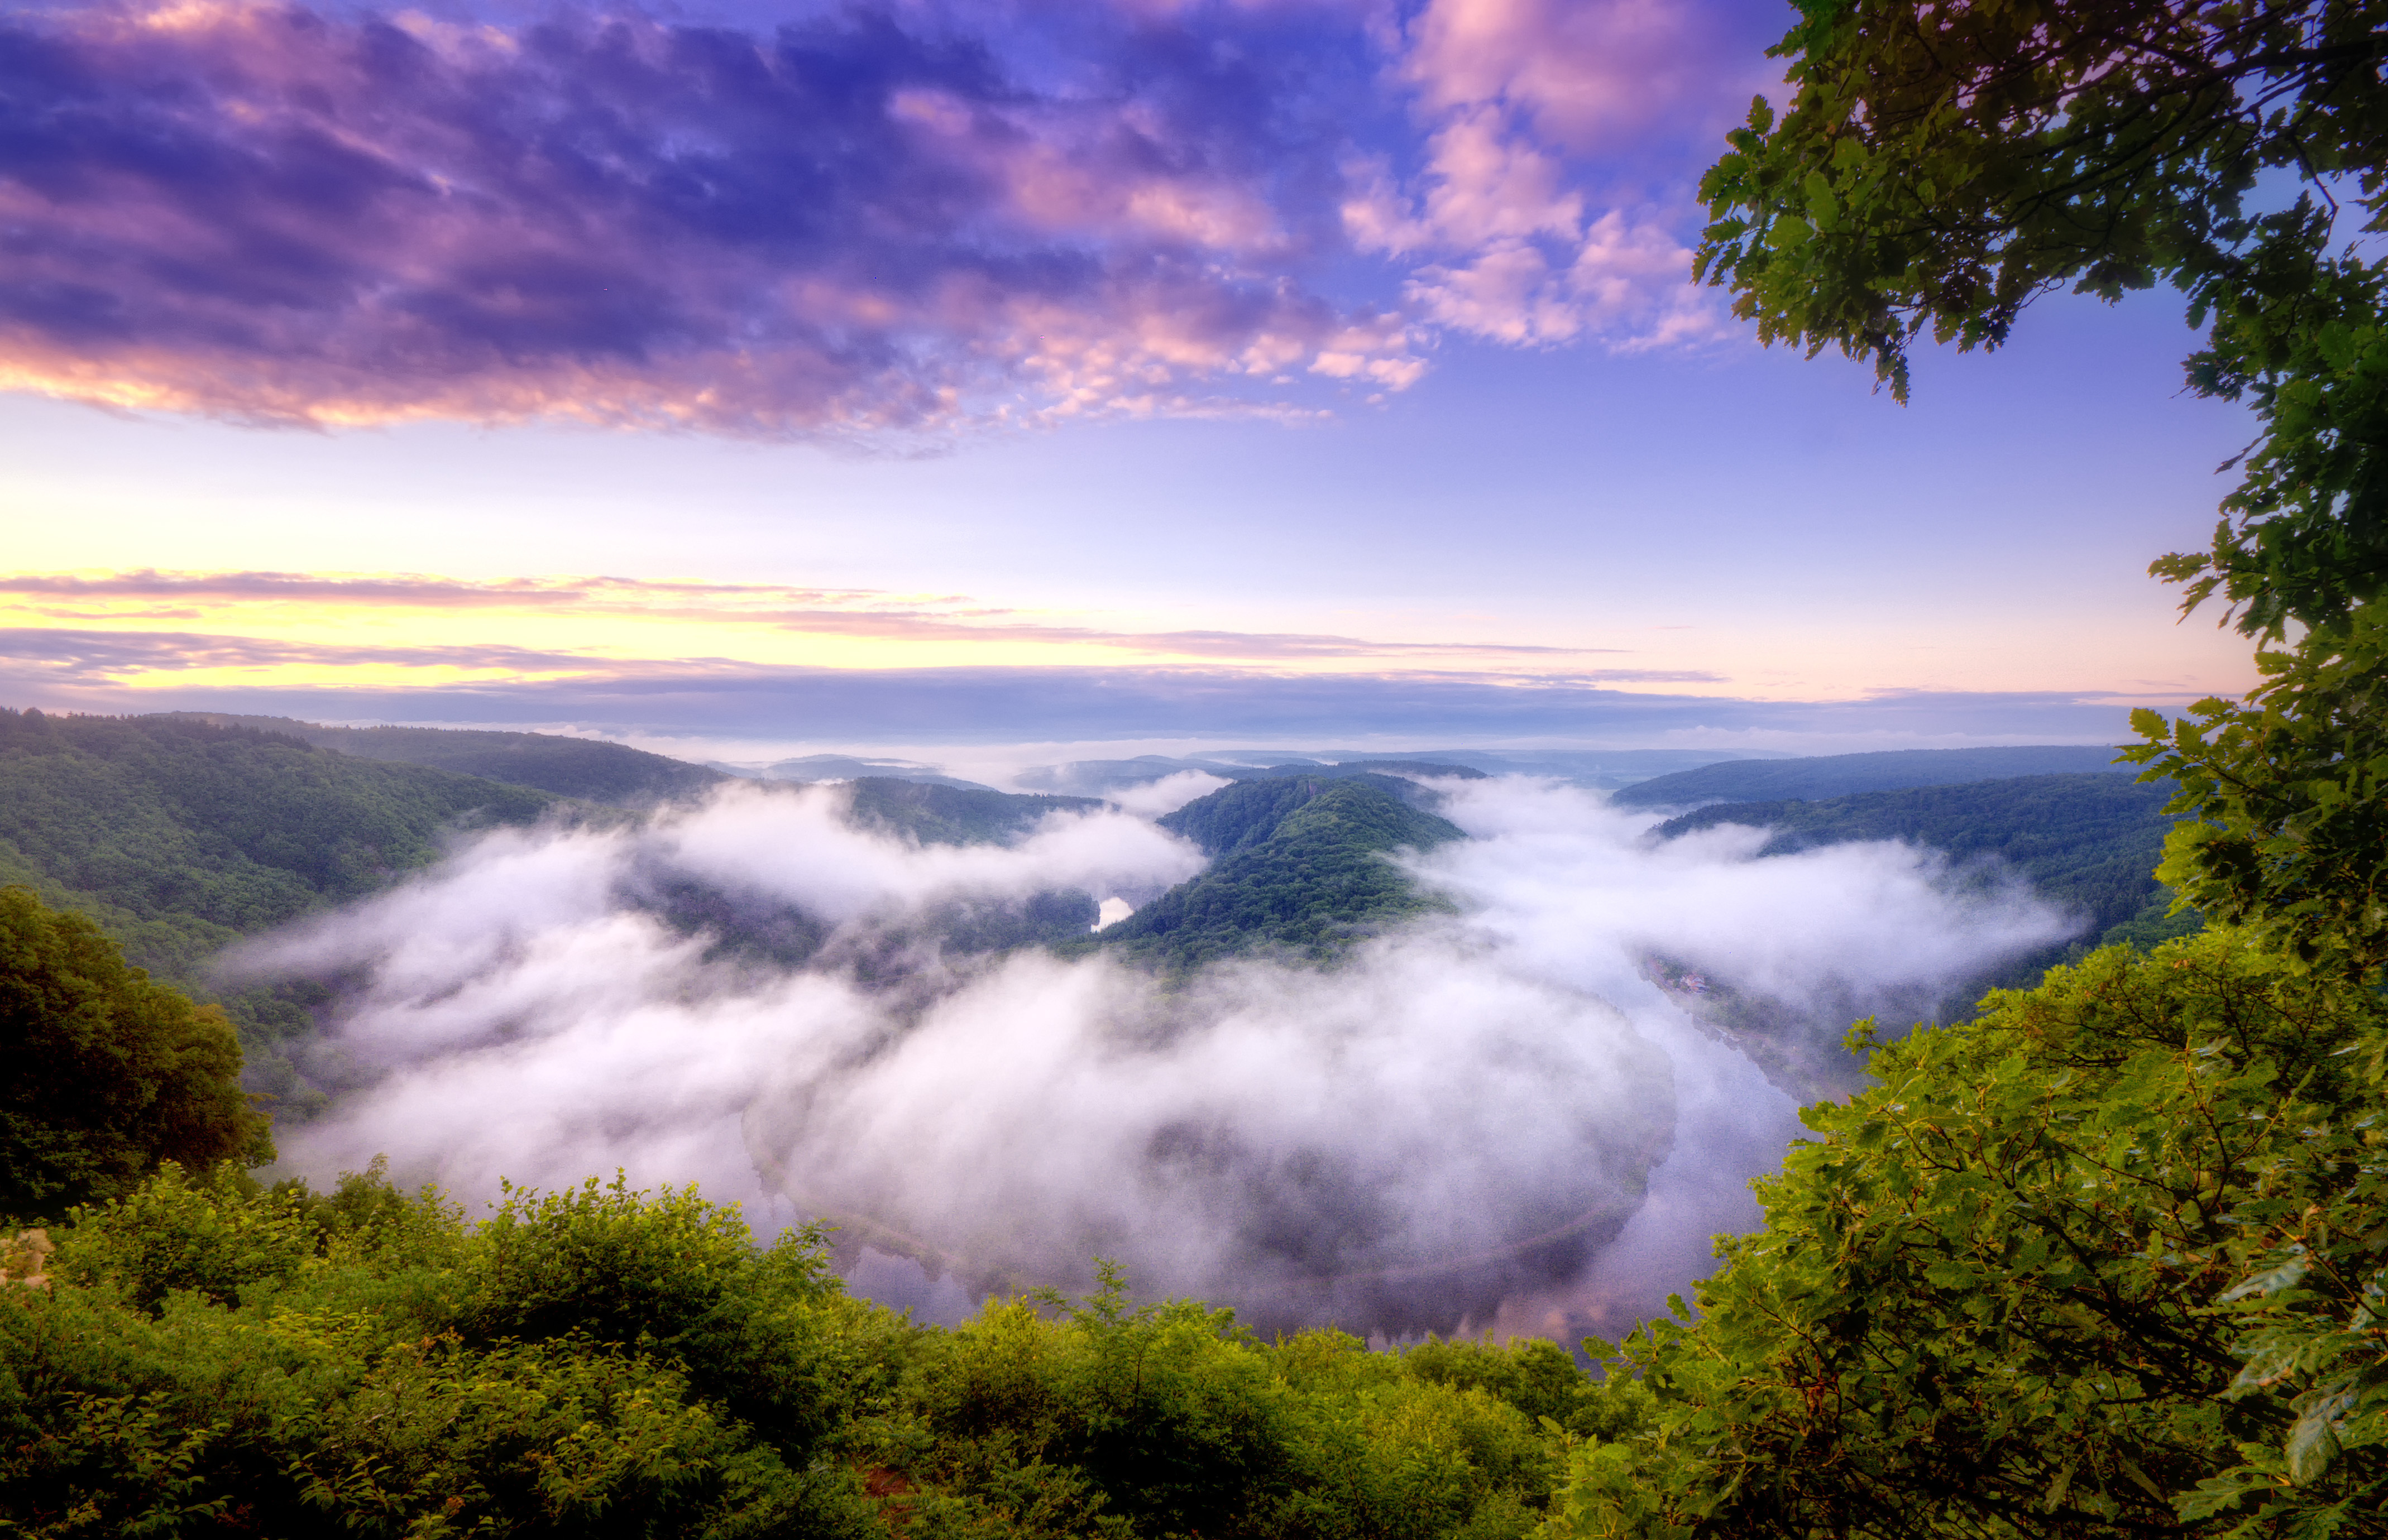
(1759, 780)
(1342, 769)
(2089, 842)
(1096, 776)
(588, 768)
(842, 768)
(938, 813)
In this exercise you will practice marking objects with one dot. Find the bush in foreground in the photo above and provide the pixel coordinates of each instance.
(215, 1358)
(2108, 1261)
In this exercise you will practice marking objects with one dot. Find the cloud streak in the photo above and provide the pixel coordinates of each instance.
(306, 622)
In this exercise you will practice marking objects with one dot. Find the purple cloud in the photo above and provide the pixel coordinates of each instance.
(271, 213)
(864, 221)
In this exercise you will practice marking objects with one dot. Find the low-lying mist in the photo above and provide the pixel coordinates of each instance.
(1527, 1113)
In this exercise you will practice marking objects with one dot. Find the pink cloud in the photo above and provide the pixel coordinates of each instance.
(1531, 106)
(1583, 72)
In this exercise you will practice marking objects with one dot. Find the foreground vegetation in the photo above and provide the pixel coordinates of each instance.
(213, 1357)
(2105, 1260)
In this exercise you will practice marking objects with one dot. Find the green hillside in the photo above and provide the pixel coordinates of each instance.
(180, 837)
(1759, 780)
(582, 767)
(2089, 842)
(1298, 866)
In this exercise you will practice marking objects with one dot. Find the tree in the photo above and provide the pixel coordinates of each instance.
(2106, 1260)
(1941, 165)
(108, 1073)
(2103, 1261)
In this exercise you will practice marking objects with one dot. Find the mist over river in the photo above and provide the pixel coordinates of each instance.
(1527, 1112)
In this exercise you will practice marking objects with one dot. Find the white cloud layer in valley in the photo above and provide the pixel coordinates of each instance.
(1492, 1115)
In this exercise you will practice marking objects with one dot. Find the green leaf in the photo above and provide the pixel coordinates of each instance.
(2270, 1281)
(2313, 1442)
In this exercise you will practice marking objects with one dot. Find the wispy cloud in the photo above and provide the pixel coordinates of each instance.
(312, 613)
(123, 657)
(844, 666)
(114, 657)
(887, 218)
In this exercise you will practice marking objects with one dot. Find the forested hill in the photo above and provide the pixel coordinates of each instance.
(2089, 842)
(937, 813)
(1758, 780)
(180, 837)
(1298, 866)
(586, 768)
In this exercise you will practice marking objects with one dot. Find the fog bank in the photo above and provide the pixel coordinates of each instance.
(1468, 1120)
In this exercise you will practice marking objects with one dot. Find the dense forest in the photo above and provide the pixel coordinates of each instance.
(1297, 867)
(586, 768)
(179, 838)
(1825, 776)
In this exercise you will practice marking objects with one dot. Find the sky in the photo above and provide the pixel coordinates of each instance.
(733, 378)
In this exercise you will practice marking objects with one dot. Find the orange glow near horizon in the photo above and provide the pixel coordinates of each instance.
(416, 629)
(420, 631)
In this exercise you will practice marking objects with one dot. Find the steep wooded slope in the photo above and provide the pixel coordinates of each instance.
(1299, 864)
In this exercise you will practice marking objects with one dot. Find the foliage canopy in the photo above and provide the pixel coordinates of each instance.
(2106, 1260)
(216, 1358)
(107, 1074)
(1941, 165)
